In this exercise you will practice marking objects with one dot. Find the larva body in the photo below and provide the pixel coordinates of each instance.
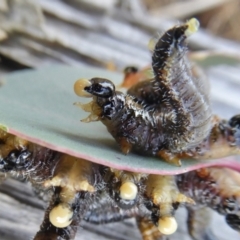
(82, 190)
(168, 116)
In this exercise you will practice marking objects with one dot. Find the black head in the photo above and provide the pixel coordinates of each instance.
(235, 121)
(16, 160)
(130, 69)
(101, 87)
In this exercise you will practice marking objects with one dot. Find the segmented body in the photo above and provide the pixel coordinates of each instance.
(180, 97)
(93, 192)
(83, 190)
(167, 116)
(169, 112)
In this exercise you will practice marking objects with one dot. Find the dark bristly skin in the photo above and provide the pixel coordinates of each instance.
(148, 230)
(206, 187)
(186, 114)
(49, 232)
(216, 189)
(169, 115)
(98, 207)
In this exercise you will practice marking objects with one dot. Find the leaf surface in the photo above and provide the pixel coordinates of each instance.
(38, 105)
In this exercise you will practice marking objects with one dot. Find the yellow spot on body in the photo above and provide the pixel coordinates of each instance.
(85, 186)
(20, 143)
(167, 225)
(170, 158)
(61, 216)
(92, 107)
(3, 128)
(91, 118)
(152, 44)
(79, 87)
(125, 145)
(193, 26)
(3, 134)
(87, 107)
(72, 173)
(164, 193)
(128, 191)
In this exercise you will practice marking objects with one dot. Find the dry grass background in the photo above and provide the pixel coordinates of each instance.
(220, 17)
(39, 32)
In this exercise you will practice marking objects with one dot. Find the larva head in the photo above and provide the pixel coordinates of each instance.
(130, 69)
(234, 122)
(106, 101)
(16, 159)
(98, 87)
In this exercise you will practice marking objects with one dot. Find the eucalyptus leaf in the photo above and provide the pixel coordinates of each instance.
(207, 59)
(38, 105)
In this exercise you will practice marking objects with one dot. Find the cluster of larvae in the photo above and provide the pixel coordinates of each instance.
(80, 190)
(168, 116)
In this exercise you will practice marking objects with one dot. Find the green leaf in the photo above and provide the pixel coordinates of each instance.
(4, 128)
(213, 58)
(38, 105)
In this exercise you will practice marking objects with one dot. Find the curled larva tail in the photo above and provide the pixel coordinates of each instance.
(165, 116)
(179, 89)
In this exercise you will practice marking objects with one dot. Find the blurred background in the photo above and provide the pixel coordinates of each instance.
(107, 33)
(112, 34)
